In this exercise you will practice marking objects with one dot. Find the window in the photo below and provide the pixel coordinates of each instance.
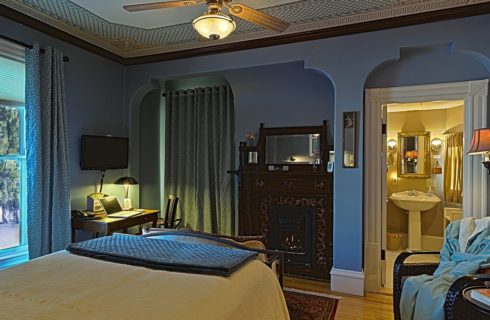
(13, 213)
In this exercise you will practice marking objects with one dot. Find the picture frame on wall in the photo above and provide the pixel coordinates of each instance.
(350, 139)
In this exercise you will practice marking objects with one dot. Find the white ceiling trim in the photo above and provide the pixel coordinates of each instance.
(129, 47)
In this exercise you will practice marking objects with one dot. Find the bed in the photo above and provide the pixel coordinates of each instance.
(64, 285)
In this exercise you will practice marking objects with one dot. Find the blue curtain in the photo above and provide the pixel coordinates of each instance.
(48, 185)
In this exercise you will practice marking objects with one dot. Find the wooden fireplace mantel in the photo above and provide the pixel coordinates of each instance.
(290, 194)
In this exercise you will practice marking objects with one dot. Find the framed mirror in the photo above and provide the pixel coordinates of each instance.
(414, 154)
(293, 148)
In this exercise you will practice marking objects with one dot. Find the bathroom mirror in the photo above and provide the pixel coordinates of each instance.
(414, 154)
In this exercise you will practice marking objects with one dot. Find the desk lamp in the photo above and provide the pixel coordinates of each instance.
(126, 182)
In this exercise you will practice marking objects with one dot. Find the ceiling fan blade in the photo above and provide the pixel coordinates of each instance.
(160, 5)
(257, 17)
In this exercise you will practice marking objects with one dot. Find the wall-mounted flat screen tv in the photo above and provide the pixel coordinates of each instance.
(104, 152)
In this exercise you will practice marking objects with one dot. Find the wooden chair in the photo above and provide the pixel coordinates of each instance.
(169, 221)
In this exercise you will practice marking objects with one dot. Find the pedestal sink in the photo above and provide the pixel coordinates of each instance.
(414, 202)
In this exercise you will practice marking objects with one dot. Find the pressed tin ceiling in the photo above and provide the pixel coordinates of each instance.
(105, 24)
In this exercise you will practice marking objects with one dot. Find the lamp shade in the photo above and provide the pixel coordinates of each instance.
(480, 143)
(214, 26)
(126, 181)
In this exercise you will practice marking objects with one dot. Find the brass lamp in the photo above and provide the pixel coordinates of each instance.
(480, 144)
(126, 182)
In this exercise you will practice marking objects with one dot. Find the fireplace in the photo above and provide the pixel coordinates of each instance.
(292, 229)
(287, 202)
(298, 225)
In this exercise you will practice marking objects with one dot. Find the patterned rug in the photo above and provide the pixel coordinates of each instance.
(305, 306)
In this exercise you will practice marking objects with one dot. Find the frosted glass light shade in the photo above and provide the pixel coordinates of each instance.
(214, 26)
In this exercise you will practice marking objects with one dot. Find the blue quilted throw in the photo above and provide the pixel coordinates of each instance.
(164, 254)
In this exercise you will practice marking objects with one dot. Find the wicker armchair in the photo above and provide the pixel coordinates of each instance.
(455, 306)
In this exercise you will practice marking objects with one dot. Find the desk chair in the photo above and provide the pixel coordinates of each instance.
(169, 221)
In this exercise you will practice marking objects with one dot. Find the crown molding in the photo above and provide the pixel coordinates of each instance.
(327, 32)
(43, 27)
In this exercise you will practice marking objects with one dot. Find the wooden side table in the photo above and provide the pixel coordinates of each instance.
(106, 226)
(480, 307)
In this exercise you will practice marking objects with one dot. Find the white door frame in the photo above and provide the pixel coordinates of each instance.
(474, 94)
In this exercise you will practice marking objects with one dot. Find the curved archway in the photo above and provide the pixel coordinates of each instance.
(425, 73)
(278, 95)
(136, 103)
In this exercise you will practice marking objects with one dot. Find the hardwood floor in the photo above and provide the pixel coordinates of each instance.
(373, 306)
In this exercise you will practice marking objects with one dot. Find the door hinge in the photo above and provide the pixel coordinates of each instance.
(383, 128)
(383, 255)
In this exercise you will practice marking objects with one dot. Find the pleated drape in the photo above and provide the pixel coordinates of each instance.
(200, 148)
(48, 183)
(453, 168)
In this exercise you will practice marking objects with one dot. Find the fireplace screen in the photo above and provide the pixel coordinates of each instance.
(291, 230)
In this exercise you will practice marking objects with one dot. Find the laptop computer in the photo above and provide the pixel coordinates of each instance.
(114, 210)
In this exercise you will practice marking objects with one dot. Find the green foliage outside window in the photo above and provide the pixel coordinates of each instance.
(9, 131)
(9, 191)
(9, 168)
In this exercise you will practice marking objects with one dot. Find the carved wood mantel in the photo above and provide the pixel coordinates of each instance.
(297, 202)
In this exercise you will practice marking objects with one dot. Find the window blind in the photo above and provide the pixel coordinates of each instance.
(12, 73)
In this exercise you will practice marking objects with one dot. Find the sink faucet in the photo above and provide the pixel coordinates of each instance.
(412, 193)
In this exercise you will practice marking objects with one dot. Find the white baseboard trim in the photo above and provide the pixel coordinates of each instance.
(432, 243)
(347, 281)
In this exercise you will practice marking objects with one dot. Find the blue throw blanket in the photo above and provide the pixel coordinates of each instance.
(423, 296)
(164, 254)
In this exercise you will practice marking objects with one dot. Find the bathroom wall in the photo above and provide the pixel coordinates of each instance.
(436, 122)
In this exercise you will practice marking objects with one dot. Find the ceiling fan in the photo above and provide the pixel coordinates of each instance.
(214, 24)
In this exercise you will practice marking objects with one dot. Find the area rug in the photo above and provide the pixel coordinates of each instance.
(310, 306)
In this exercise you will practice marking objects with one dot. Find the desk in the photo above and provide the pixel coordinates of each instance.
(106, 226)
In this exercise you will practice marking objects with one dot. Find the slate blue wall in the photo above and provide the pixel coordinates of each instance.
(349, 61)
(94, 95)
(101, 94)
(289, 96)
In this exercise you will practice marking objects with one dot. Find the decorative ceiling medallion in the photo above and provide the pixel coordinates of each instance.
(307, 15)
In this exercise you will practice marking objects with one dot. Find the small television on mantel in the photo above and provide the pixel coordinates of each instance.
(104, 152)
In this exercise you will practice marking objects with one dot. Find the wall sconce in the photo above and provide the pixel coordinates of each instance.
(394, 178)
(480, 144)
(391, 145)
(436, 145)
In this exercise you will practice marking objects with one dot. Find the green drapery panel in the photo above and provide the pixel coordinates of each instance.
(200, 148)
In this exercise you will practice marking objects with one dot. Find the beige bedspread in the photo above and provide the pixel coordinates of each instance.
(66, 286)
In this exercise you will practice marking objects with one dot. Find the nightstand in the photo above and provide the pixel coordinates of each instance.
(106, 226)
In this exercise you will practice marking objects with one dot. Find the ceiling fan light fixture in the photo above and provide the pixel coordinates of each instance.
(214, 26)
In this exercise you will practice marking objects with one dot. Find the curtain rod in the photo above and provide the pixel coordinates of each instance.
(185, 91)
(29, 46)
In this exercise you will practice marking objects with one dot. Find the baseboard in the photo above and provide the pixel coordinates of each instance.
(347, 281)
(432, 243)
